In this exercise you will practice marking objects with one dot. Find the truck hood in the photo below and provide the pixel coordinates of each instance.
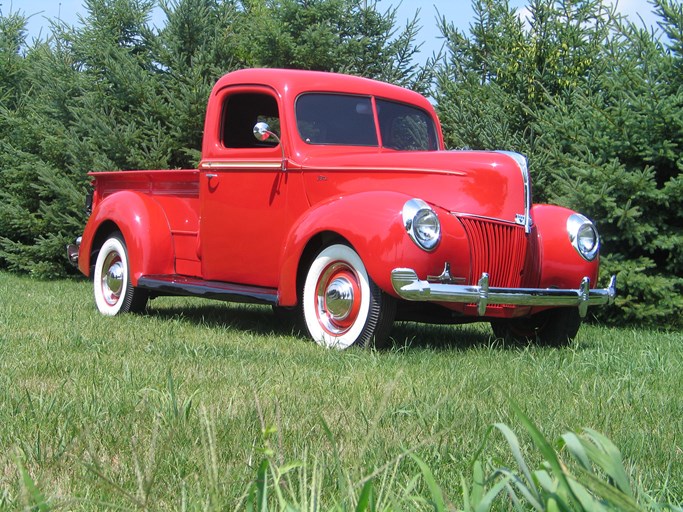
(482, 183)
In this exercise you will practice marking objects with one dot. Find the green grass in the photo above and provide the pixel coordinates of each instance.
(178, 408)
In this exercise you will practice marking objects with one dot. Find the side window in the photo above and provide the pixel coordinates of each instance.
(241, 111)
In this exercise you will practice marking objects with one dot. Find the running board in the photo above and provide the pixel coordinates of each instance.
(191, 286)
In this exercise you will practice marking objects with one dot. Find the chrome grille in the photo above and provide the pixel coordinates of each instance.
(496, 248)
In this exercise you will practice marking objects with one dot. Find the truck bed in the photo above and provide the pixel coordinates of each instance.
(177, 192)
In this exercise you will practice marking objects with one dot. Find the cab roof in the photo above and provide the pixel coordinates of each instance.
(293, 82)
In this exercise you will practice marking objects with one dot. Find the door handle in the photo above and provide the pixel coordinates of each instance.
(212, 175)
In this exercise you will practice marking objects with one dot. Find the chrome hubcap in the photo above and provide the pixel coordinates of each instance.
(337, 298)
(112, 279)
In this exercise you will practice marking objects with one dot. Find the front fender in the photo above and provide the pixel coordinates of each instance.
(145, 229)
(372, 223)
(560, 265)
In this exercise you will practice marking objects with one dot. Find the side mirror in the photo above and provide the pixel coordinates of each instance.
(262, 132)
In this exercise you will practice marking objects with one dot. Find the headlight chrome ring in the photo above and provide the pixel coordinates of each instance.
(422, 224)
(583, 236)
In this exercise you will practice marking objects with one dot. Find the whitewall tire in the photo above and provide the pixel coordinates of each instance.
(113, 290)
(342, 306)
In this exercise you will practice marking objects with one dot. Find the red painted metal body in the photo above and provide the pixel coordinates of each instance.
(249, 215)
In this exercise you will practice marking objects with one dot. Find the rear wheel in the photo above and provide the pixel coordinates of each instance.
(114, 292)
(341, 305)
(553, 327)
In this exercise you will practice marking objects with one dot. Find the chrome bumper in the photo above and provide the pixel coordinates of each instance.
(407, 285)
(72, 251)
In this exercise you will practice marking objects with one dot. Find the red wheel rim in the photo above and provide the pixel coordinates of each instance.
(337, 298)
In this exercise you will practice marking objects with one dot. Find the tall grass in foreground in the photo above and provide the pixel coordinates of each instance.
(594, 479)
(206, 406)
(590, 477)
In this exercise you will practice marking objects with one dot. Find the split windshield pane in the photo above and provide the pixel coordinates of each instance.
(339, 119)
(336, 119)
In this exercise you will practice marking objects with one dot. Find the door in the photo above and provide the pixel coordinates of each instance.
(243, 193)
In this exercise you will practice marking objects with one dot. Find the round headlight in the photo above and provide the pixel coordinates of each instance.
(583, 236)
(422, 224)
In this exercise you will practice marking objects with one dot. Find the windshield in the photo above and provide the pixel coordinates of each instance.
(340, 119)
(405, 127)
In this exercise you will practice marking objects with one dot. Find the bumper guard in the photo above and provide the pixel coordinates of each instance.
(409, 287)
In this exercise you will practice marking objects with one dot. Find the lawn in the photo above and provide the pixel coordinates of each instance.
(178, 408)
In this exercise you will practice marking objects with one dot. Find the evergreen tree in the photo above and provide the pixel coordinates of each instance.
(120, 116)
(616, 147)
(346, 36)
(113, 94)
(492, 83)
(89, 103)
(38, 188)
(595, 103)
(196, 46)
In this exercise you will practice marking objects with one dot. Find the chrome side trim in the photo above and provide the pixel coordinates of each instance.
(358, 168)
(409, 287)
(241, 165)
(524, 168)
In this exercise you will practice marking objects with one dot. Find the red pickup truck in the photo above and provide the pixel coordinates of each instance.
(332, 197)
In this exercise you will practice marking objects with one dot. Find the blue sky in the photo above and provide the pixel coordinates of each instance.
(457, 11)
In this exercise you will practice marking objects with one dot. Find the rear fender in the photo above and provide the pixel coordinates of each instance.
(371, 222)
(145, 229)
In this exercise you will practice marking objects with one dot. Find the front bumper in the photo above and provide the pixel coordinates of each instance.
(407, 285)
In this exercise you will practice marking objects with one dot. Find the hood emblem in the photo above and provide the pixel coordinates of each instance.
(520, 218)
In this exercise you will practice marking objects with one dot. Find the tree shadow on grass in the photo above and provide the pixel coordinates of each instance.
(262, 321)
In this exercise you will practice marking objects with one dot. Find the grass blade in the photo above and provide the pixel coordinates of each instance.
(365, 500)
(548, 453)
(486, 501)
(434, 490)
(477, 483)
(34, 497)
(513, 442)
(262, 487)
(608, 457)
(609, 493)
(531, 496)
(576, 449)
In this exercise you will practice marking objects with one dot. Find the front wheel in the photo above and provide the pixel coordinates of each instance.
(552, 327)
(342, 306)
(114, 292)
